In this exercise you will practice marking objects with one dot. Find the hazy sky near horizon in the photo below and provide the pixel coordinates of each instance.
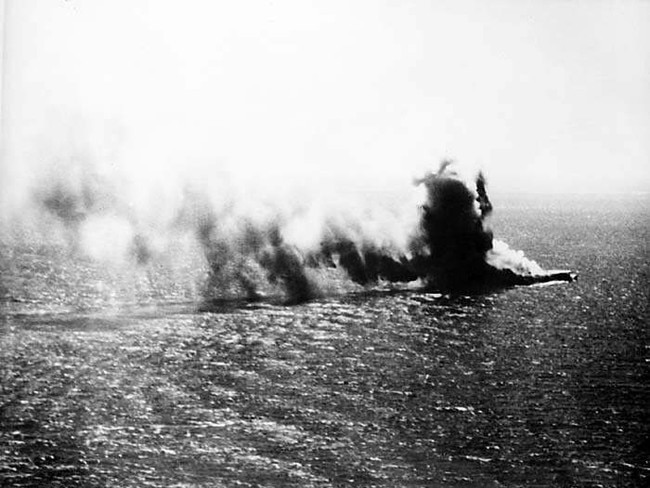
(545, 96)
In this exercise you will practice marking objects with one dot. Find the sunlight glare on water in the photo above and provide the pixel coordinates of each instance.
(536, 385)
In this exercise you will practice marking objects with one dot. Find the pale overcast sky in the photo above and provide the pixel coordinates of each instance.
(545, 96)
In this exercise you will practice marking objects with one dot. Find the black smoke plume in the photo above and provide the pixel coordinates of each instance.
(460, 254)
(245, 257)
(450, 249)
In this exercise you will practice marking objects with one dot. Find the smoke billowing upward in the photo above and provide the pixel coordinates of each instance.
(453, 232)
(253, 249)
(459, 252)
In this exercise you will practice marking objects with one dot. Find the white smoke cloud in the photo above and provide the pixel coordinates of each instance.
(502, 256)
(132, 127)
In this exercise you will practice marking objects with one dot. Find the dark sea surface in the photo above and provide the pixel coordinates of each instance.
(117, 376)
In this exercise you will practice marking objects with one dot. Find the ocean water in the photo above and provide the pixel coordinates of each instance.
(114, 376)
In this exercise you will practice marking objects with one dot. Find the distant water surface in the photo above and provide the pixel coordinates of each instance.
(108, 381)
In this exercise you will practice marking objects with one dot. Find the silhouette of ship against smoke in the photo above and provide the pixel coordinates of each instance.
(452, 251)
(446, 246)
(462, 252)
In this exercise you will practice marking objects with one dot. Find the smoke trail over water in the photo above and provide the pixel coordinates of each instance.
(299, 248)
